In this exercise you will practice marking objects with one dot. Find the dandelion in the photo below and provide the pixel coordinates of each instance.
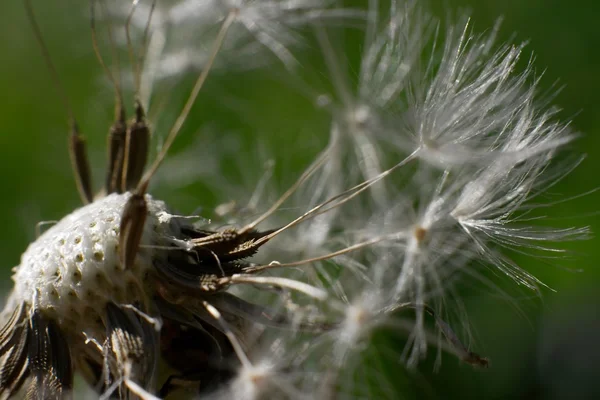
(430, 169)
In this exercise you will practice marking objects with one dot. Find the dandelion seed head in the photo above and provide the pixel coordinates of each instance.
(433, 159)
(73, 269)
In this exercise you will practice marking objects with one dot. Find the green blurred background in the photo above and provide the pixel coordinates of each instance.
(547, 348)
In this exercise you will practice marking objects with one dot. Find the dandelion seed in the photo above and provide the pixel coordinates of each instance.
(259, 25)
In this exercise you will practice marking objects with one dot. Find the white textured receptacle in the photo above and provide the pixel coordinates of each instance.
(73, 268)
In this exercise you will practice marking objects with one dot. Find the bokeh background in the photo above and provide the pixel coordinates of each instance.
(544, 348)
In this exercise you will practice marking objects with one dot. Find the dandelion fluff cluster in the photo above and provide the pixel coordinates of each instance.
(434, 156)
